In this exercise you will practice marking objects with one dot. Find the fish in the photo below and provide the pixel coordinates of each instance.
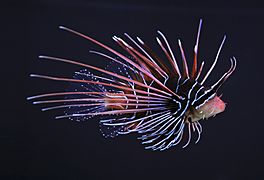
(139, 91)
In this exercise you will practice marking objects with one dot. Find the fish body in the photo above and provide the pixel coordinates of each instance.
(139, 93)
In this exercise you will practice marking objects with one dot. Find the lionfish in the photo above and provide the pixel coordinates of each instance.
(138, 92)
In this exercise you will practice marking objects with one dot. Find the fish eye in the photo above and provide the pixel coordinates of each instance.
(189, 119)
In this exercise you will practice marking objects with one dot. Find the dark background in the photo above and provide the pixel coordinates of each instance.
(35, 146)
